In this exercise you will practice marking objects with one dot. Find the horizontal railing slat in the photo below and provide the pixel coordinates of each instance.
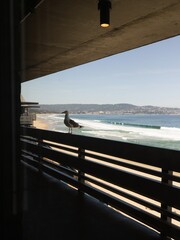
(119, 204)
(133, 182)
(164, 158)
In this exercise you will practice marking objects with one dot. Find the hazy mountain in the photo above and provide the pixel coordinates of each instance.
(121, 108)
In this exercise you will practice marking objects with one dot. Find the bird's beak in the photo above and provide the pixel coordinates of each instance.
(63, 112)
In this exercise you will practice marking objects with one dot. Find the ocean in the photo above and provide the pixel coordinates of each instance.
(148, 129)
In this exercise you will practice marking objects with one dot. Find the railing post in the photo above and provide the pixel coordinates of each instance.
(164, 206)
(81, 155)
(40, 143)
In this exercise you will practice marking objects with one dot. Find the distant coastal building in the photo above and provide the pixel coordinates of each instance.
(27, 118)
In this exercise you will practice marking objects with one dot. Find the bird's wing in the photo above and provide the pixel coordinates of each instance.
(73, 123)
(67, 123)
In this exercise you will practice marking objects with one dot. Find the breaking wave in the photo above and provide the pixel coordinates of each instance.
(131, 130)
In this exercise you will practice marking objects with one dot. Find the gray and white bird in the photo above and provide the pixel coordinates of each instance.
(70, 123)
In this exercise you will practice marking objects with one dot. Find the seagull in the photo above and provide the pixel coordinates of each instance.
(70, 123)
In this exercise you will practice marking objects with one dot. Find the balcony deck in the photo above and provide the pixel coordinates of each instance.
(54, 210)
(138, 181)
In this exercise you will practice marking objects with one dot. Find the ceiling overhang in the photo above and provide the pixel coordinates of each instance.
(61, 34)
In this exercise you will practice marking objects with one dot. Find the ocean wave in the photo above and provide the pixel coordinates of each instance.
(154, 135)
(130, 130)
(134, 125)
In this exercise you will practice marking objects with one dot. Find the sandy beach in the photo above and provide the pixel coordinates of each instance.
(40, 123)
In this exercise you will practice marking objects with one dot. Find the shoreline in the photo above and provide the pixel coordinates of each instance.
(39, 123)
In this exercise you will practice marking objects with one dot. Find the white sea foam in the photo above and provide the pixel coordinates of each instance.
(157, 136)
(165, 133)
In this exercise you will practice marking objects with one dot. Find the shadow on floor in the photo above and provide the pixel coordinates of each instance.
(55, 211)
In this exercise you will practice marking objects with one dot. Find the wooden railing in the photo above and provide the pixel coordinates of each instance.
(140, 181)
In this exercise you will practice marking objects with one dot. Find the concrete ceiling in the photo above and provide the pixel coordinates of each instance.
(60, 34)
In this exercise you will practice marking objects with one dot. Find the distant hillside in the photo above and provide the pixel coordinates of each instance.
(121, 108)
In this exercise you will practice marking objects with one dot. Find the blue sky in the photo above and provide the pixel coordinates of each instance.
(149, 75)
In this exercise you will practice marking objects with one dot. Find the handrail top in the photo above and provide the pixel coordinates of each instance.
(160, 157)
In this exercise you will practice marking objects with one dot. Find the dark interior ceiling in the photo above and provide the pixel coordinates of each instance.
(60, 34)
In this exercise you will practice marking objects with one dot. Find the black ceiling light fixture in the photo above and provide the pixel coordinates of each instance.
(104, 7)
